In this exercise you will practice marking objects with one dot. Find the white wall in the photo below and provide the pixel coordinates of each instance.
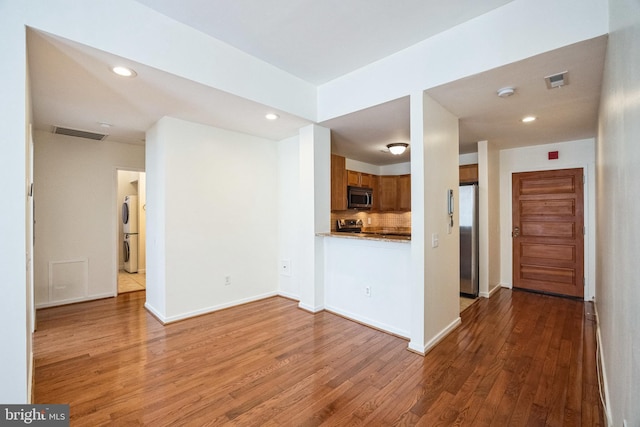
(573, 154)
(16, 336)
(488, 159)
(212, 194)
(394, 169)
(290, 220)
(618, 159)
(76, 214)
(384, 267)
(435, 269)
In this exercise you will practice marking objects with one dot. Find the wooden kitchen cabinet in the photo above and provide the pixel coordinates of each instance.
(468, 174)
(359, 179)
(394, 193)
(388, 192)
(338, 183)
(404, 192)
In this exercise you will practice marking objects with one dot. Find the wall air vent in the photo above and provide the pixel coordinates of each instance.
(79, 133)
(557, 80)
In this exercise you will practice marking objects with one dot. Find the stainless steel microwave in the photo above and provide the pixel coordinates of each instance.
(359, 197)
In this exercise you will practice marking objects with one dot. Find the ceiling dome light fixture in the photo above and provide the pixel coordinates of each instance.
(528, 119)
(397, 148)
(506, 92)
(272, 116)
(124, 71)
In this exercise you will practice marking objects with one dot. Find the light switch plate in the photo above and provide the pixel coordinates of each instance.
(434, 240)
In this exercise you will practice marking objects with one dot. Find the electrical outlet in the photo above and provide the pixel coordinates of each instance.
(369, 221)
(227, 280)
(367, 291)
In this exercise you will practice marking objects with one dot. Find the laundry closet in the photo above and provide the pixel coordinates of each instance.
(131, 203)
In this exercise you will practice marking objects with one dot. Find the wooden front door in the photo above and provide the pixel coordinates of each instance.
(548, 231)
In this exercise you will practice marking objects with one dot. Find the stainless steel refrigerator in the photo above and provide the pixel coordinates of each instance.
(468, 220)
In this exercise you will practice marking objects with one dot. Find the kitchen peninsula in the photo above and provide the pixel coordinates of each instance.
(367, 253)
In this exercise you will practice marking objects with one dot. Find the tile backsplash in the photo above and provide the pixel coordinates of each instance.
(378, 219)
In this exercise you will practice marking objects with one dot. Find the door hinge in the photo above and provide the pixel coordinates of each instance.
(584, 282)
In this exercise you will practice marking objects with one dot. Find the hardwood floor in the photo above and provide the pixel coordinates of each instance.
(517, 359)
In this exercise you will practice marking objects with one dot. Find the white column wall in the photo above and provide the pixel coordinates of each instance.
(489, 217)
(16, 336)
(290, 220)
(434, 170)
(315, 209)
(213, 195)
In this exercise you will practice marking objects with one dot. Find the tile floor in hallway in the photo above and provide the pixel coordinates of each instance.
(466, 303)
(130, 282)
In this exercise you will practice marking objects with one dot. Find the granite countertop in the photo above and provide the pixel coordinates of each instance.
(385, 235)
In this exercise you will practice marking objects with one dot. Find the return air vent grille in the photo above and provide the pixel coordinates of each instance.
(557, 80)
(79, 133)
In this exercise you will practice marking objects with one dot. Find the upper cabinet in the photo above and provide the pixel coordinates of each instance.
(395, 193)
(468, 174)
(359, 179)
(404, 193)
(388, 193)
(338, 183)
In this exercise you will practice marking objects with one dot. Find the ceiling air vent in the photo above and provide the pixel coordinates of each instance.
(557, 80)
(79, 133)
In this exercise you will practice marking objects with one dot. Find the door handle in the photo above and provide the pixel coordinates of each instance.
(515, 232)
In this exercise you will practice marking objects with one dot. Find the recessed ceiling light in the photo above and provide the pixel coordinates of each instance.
(528, 119)
(124, 71)
(272, 116)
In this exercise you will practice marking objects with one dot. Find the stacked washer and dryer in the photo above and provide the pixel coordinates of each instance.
(130, 230)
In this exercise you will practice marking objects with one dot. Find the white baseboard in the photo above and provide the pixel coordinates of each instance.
(309, 308)
(74, 300)
(604, 387)
(289, 296)
(493, 290)
(206, 310)
(369, 322)
(436, 339)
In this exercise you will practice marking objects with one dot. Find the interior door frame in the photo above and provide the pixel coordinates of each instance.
(506, 223)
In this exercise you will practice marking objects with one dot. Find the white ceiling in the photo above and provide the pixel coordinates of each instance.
(317, 41)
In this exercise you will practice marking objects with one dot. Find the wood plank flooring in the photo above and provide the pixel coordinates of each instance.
(517, 359)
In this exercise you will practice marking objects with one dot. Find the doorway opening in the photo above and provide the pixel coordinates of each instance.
(131, 230)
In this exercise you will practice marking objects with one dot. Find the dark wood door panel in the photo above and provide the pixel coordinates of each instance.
(548, 221)
(548, 252)
(561, 230)
(552, 185)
